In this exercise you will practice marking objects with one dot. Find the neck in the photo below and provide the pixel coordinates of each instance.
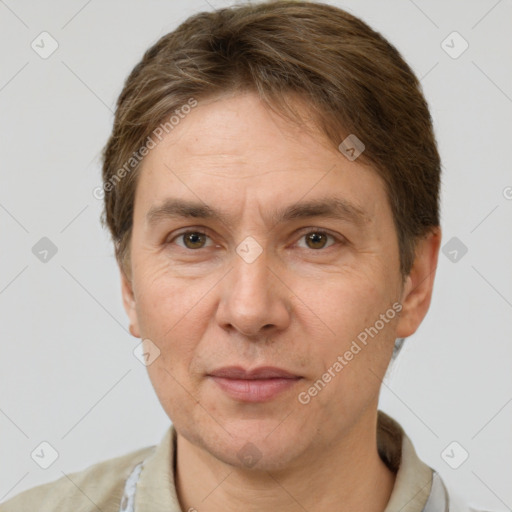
(348, 475)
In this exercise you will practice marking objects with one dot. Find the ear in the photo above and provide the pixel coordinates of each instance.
(417, 290)
(129, 304)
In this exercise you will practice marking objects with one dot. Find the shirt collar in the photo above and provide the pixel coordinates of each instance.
(156, 489)
(413, 481)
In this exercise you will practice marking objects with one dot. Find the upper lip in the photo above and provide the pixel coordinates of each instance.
(263, 372)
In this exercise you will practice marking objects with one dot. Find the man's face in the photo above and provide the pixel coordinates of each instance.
(291, 254)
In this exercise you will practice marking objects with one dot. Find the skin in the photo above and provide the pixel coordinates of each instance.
(298, 306)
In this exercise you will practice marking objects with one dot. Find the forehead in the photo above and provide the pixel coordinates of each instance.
(235, 149)
(242, 125)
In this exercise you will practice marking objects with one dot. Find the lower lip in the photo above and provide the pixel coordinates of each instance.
(255, 390)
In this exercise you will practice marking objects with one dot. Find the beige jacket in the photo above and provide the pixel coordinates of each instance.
(143, 481)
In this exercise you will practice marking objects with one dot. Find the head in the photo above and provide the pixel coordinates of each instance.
(253, 229)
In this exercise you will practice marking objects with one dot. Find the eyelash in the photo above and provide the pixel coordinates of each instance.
(336, 239)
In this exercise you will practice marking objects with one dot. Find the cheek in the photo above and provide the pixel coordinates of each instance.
(174, 314)
(166, 301)
(345, 302)
(349, 306)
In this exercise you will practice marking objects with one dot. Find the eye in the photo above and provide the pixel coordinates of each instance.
(192, 239)
(317, 240)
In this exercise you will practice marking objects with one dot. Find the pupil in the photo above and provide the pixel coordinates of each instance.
(194, 239)
(317, 239)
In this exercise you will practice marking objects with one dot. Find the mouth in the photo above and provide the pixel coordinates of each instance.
(257, 385)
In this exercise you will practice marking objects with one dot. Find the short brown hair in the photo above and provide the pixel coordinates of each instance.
(353, 79)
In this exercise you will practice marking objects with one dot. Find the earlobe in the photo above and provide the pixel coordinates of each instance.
(134, 331)
(418, 286)
(129, 304)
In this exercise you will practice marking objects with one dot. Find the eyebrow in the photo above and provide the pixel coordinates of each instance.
(329, 207)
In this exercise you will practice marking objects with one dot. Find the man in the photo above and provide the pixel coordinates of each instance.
(272, 188)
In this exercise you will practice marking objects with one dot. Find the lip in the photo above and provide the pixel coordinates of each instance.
(262, 372)
(257, 385)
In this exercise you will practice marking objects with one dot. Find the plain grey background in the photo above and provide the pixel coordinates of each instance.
(68, 373)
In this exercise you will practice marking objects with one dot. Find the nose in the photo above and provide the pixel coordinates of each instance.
(254, 301)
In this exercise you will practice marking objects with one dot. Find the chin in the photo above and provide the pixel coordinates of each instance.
(258, 455)
(248, 443)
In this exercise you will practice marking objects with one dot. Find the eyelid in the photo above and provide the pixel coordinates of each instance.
(184, 231)
(298, 235)
(312, 229)
(301, 243)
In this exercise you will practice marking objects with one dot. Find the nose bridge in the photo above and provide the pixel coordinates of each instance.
(252, 300)
(251, 279)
